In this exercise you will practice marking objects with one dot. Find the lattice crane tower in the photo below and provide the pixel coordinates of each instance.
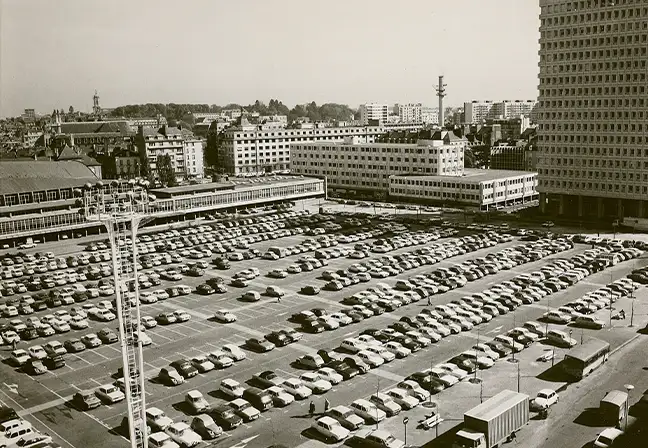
(122, 208)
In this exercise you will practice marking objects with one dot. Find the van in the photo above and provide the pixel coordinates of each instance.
(612, 407)
(560, 339)
(11, 436)
(258, 398)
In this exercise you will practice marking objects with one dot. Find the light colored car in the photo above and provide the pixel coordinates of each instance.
(443, 376)
(234, 352)
(330, 428)
(342, 318)
(183, 435)
(78, 323)
(315, 383)
(385, 403)
(346, 417)
(244, 409)
(224, 316)
(330, 375)
(353, 345)
(182, 316)
(296, 388)
(157, 419)
(161, 440)
(545, 399)
(110, 393)
(142, 337)
(60, 326)
(453, 370)
(414, 389)
(54, 348)
(231, 388)
(397, 349)
(279, 396)
(485, 350)
(373, 360)
(220, 359)
(385, 354)
(607, 438)
(19, 357)
(196, 401)
(367, 410)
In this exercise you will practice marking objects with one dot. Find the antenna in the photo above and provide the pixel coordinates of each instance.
(441, 93)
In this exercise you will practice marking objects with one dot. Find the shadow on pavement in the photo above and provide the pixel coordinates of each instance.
(555, 374)
(310, 433)
(590, 417)
(444, 440)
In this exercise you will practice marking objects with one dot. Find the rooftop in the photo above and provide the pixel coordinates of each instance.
(472, 174)
(23, 176)
(96, 127)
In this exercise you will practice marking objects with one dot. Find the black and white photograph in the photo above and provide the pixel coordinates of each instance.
(300, 224)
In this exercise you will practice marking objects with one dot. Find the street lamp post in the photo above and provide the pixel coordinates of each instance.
(629, 388)
(405, 421)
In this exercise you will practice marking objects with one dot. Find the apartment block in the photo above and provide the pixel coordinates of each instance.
(476, 112)
(250, 149)
(185, 151)
(593, 108)
(371, 112)
(410, 113)
(357, 165)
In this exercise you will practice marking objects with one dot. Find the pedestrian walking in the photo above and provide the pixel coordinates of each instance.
(429, 300)
(327, 405)
(278, 299)
(15, 344)
(312, 409)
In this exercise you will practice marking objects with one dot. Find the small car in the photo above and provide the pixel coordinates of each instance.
(196, 402)
(225, 417)
(183, 435)
(109, 393)
(107, 336)
(74, 345)
(205, 426)
(148, 322)
(225, 316)
(259, 345)
(202, 364)
(330, 428)
(85, 400)
(234, 352)
(91, 340)
(244, 409)
(184, 368)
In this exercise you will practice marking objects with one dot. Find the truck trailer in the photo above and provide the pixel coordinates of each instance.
(494, 421)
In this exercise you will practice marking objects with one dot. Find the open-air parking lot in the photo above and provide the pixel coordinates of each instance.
(434, 298)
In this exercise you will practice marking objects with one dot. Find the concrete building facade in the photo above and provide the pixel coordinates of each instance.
(410, 113)
(593, 111)
(249, 149)
(358, 165)
(185, 151)
(476, 112)
(374, 111)
(483, 189)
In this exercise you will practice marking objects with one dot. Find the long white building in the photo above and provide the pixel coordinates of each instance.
(374, 111)
(248, 149)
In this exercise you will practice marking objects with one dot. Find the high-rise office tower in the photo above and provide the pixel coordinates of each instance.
(593, 108)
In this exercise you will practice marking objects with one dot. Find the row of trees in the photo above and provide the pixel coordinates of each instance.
(172, 111)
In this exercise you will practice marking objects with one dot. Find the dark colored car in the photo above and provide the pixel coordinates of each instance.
(427, 382)
(74, 346)
(354, 315)
(301, 318)
(215, 281)
(292, 334)
(184, 368)
(80, 296)
(464, 363)
(28, 334)
(407, 342)
(205, 289)
(319, 312)
(310, 290)
(361, 368)
(267, 379)
(343, 369)
(172, 291)
(329, 356)
(313, 327)
(7, 413)
(107, 336)
(85, 400)
(377, 310)
(53, 362)
(278, 338)
(411, 322)
(259, 345)
(225, 417)
(39, 305)
(402, 327)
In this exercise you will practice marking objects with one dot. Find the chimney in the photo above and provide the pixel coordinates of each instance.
(163, 129)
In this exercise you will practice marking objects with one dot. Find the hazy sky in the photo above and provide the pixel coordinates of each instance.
(55, 53)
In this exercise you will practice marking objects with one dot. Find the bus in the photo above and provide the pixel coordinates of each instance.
(585, 358)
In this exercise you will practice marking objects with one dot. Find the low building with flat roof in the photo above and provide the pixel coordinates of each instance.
(482, 189)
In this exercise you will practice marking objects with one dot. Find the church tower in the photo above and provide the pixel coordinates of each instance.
(96, 109)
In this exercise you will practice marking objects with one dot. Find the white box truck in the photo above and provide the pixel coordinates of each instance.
(494, 421)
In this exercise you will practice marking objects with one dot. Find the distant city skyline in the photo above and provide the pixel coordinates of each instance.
(55, 54)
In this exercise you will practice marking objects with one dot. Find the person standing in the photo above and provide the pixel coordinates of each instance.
(327, 405)
(312, 408)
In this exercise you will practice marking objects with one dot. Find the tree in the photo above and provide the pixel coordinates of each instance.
(165, 172)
